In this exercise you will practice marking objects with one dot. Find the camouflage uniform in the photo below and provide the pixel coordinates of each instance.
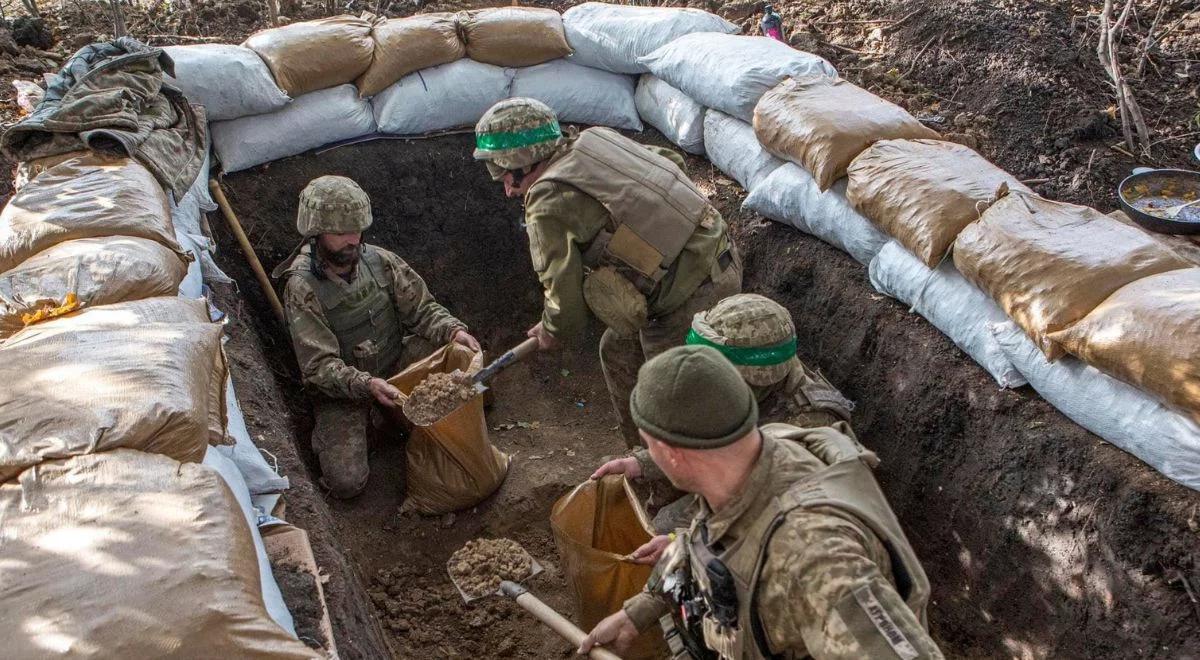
(578, 214)
(820, 566)
(346, 331)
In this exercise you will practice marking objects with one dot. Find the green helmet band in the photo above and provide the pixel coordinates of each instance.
(504, 140)
(750, 356)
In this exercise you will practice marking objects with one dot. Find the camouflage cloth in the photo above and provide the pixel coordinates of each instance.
(826, 587)
(110, 98)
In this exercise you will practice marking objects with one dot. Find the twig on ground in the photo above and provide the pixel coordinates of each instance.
(1149, 40)
(1120, 150)
(912, 65)
(902, 20)
(1034, 182)
(1106, 51)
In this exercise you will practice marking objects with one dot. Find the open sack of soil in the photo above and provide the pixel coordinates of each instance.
(595, 527)
(452, 464)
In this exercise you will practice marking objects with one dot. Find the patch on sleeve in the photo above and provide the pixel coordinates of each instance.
(873, 626)
(535, 247)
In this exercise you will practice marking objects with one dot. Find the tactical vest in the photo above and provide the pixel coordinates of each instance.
(845, 484)
(807, 391)
(362, 315)
(653, 207)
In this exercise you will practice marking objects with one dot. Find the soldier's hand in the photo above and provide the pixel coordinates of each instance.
(464, 338)
(383, 392)
(650, 551)
(546, 341)
(627, 466)
(616, 632)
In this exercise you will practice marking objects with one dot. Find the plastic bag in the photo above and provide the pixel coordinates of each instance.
(452, 464)
(613, 37)
(580, 95)
(730, 144)
(672, 112)
(405, 45)
(305, 57)
(229, 81)
(595, 527)
(448, 96)
(513, 36)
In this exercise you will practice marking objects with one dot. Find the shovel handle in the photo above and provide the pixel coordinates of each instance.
(555, 621)
(523, 349)
(515, 354)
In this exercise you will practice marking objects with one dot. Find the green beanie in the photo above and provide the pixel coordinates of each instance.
(692, 396)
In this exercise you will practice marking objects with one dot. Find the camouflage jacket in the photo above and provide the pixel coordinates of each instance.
(317, 347)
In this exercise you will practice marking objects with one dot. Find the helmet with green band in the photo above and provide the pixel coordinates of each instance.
(516, 133)
(755, 333)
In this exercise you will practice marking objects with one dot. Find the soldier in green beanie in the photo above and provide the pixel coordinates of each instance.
(357, 314)
(793, 552)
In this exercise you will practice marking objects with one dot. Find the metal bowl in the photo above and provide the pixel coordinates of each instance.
(1146, 193)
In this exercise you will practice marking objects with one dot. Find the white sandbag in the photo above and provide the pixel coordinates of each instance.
(791, 196)
(730, 144)
(435, 99)
(672, 112)
(579, 94)
(613, 37)
(953, 305)
(272, 597)
(229, 81)
(1121, 414)
(310, 121)
(260, 477)
(730, 72)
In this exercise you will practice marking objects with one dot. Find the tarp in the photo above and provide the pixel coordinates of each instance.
(513, 36)
(673, 113)
(305, 57)
(580, 95)
(405, 45)
(229, 81)
(612, 37)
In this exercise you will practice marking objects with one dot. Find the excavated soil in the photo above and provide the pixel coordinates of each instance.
(435, 397)
(1040, 539)
(481, 565)
(299, 590)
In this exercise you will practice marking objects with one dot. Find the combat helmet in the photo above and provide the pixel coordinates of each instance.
(516, 133)
(754, 332)
(333, 205)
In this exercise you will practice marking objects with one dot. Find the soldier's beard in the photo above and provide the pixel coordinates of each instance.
(346, 256)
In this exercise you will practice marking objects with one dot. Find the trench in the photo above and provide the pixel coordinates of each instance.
(1039, 539)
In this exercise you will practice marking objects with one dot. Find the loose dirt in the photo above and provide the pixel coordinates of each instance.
(299, 590)
(481, 565)
(437, 396)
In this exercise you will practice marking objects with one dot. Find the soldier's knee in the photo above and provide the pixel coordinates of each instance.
(345, 481)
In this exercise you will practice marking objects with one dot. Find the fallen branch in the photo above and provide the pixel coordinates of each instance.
(1149, 40)
(1106, 51)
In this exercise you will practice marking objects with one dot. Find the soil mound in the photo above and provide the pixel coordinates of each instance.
(481, 565)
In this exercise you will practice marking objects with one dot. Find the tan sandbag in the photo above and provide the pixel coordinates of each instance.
(130, 555)
(106, 378)
(312, 55)
(84, 197)
(595, 527)
(821, 123)
(1148, 335)
(1048, 264)
(89, 271)
(923, 192)
(29, 170)
(405, 45)
(452, 464)
(513, 36)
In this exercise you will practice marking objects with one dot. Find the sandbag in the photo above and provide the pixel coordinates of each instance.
(229, 81)
(1121, 414)
(405, 45)
(822, 123)
(106, 378)
(952, 304)
(513, 36)
(310, 121)
(305, 57)
(1050, 263)
(580, 95)
(730, 144)
(595, 527)
(613, 37)
(923, 192)
(676, 116)
(131, 555)
(729, 72)
(791, 196)
(1147, 334)
(28, 170)
(448, 96)
(452, 464)
(87, 272)
(259, 476)
(84, 197)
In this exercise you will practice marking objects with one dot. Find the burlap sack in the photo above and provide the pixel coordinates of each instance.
(821, 123)
(29, 170)
(1148, 335)
(513, 36)
(130, 555)
(109, 377)
(452, 464)
(90, 272)
(84, 197)
(305, 57)
(1048, 264)
(405, 45)
(595, 527)
(923, 192)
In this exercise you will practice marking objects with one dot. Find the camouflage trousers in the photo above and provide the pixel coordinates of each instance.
(342, 435)
(621, 357)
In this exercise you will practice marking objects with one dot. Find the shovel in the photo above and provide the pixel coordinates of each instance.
(516, 354)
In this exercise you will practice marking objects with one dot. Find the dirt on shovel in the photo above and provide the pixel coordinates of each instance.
(478, 568)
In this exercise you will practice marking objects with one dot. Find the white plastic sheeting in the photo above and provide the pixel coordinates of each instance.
(229, 81)
(260, 477)
(672, 112)
(953, 305)
(613, 37)
(453, 95)
(579, 94)
(730, 144)
(1121, 414)
(791, 196)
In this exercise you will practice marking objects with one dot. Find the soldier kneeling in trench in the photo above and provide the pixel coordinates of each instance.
(793, 550)
(615, 227)
(357, 314)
